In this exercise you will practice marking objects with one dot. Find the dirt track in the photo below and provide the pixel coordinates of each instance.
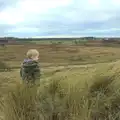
(77, 66)
(69, 67)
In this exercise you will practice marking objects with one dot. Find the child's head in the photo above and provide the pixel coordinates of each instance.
(33, 54)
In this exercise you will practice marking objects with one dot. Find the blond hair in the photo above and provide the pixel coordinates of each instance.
(32, 53)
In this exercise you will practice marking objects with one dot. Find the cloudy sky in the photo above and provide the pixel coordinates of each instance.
(33, 18)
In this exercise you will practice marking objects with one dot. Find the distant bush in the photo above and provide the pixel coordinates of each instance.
(80, 42)
(55, 45)
(3, 45)
(80, 58)
(4, 67)
(72, 50)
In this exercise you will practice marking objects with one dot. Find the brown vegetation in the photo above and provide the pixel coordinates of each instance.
(59, 55)
(81, 93)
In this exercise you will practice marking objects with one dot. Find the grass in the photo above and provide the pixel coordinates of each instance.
(89, 92)
(76, 93)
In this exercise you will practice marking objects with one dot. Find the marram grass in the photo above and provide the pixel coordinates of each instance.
(92, 95)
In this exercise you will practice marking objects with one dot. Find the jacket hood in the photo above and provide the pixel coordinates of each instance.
(29, 63)
(27, 60)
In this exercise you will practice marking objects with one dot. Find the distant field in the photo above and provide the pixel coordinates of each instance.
(81, 42)
(54, 55)
(52, 41)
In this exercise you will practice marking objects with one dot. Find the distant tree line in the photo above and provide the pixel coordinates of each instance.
(60, 39)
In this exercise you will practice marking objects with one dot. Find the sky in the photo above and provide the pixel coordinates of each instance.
(59, 18)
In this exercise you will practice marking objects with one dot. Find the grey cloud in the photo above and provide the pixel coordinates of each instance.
(5, 28)
(73, 20)
(7, 3)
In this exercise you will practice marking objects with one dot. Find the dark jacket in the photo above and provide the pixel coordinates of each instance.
(30, 70)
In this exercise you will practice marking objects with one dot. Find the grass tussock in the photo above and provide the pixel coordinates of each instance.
(4, 67)
(20, 104)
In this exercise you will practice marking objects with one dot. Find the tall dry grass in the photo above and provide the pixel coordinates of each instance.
(98, 99)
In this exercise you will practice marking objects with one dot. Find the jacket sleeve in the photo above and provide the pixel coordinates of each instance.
(21, 72)
(37, 72)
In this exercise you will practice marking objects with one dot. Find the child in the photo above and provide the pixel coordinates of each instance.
(30, 70)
